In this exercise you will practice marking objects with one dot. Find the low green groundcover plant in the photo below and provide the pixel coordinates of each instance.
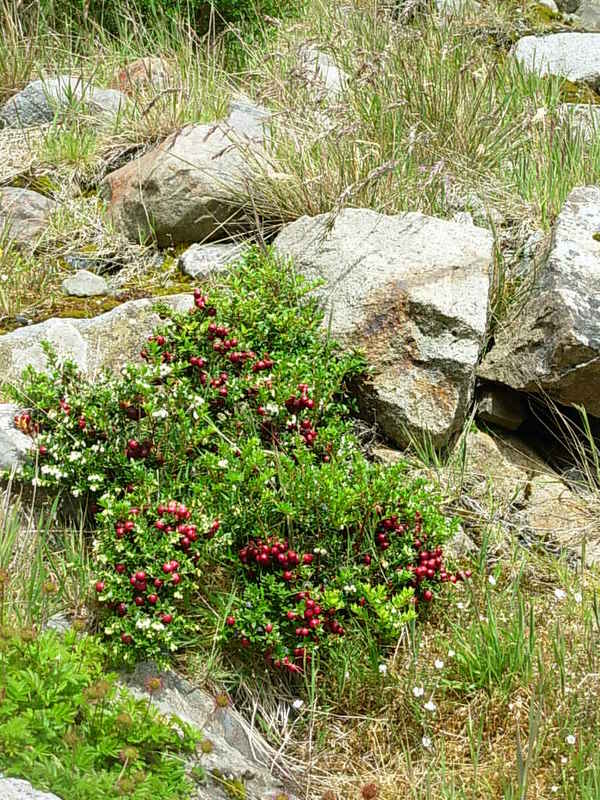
(67, 728)
(228, 485)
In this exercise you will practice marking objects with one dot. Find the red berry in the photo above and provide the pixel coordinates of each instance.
(99, 586)
(175, 578)
(153, 599)
(230, 621)
(167, 618)
(307, 558)
(428, 595)
(120, 568)
(126, 638)
(269, 627)
(140, 576)
(139, 601)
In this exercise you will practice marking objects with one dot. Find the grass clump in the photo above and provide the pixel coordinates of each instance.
(225, 468)
(67, 728)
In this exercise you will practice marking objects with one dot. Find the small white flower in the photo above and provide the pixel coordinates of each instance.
(554, 789)
(4, 277)
(143, 623)
(491, 580)
(570, 739)
(430, 706)
(347, 675)
(426, 742)
(223, 463)
(272, 409)
(297, 704)
(418, 691)
(560, 594)
(160, 413)
(438, 663)
(460, 605)
(74, 455)
(578, 597)
(451, 653)
(563, 760)
(383, 669)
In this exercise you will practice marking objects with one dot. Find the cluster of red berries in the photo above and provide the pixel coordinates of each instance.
(200, 301)
(264, 363)
(301, 401)
(134, 411)
(166, 356)
(138, 451)
(273, 553)
(385, 528)
(25, 424)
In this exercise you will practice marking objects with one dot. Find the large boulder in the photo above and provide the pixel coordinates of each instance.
(24, 214)
(14, 789)
(238, 752)
(193, 187)
(41, 100)
(587, 15)
(109, 340)
(411, 292)
(574, 56)
(555, 345)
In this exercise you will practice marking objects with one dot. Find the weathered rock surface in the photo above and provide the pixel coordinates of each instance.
(192, 187)
(574, 56)
(410, 291)
(40, 101)
(555, 346)
(14, 445)
(24, 214)
(143, 74)
(238, 750)
(533, 500)
(321, 69)
(84, 284)
(587, 16)
(200, 261)
(584, 117)
(249, 119)
(109, 340)
(13, 789)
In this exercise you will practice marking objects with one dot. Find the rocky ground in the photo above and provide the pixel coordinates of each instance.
(458, 249)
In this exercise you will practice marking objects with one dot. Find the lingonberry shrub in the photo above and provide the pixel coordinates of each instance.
(224, 476)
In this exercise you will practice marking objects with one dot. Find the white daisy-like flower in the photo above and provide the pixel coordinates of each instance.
(383, 669)
(570, 739)
(143, 623)
(160, 413)
(460, 605)
(297, 704)
(74, 455)
(491, 580)
(451, 653)
(430, 706)
(223, 463)
(418, 691)
(438, 663)
(560, 594)
(426, 742)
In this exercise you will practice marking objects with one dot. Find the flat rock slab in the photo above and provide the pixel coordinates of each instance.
(109, 340)
(14, 789)
(555, 347)
(574, 56)
(238, 750)
(24, 214)
(40, 101)
(321, 69)
(201, 261)
(411, 292)
(193, 187)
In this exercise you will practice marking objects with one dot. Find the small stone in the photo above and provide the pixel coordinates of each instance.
(151, 72)
(24, 214)
(84, 284)
(583, 117)
(40, 101)
(322, 69)
(500, 406)
(201, 261)
(548, 4)
(14, 445)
